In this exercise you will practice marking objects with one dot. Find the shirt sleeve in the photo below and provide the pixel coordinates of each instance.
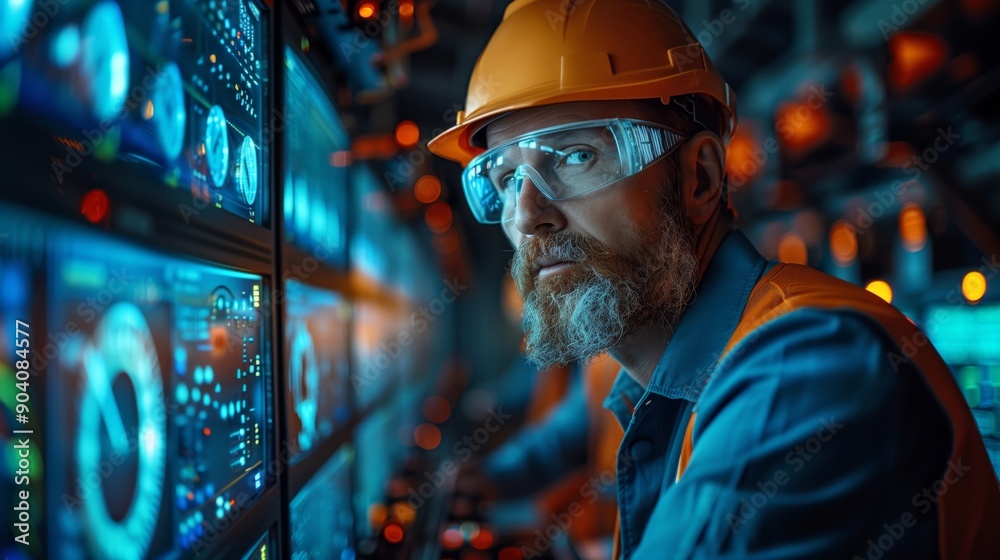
(807, 444)
(543, 454)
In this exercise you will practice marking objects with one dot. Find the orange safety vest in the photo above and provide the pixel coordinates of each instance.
(966, 511)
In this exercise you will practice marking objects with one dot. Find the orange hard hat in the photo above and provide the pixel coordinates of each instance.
(555, 51)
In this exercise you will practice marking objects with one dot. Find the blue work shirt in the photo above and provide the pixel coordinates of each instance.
(807, 443)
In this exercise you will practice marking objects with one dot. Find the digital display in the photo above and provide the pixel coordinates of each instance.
(322, 523)
(260, 550)
(176, 89)
(963, 334)
(159, 400)
(317, 155)
(317, 349)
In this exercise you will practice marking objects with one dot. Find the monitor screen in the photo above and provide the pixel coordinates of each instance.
(316, 173)
(159, 391)
(173, 93)
(262, 550)
(316, 330)
(963, 334)
(322, 523)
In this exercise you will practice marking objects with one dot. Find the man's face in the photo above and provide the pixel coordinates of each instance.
(596, 268)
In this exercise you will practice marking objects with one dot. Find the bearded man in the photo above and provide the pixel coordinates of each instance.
(769, 409)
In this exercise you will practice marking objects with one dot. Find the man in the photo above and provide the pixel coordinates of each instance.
(770, 411)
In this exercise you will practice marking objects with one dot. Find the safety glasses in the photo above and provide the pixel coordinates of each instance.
(563, 162)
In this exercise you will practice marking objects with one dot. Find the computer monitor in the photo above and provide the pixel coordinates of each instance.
(317, 156)
(322, 524)
(159, 415)
(316, 334)
(147, 97)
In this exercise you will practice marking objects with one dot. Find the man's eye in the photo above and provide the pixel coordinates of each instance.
(506, 182)
(580, 156)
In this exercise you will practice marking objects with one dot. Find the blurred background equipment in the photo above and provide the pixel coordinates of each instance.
(264, 323)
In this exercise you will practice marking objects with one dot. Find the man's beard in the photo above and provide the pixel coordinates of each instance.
(586, 310)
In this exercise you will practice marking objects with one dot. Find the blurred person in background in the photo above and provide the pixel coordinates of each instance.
(769, 410)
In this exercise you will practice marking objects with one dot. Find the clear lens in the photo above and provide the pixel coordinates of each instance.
(562, 162)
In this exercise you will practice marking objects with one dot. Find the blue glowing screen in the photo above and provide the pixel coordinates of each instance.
(316, 331)
(174, 91)
(159, 400)
(322, 524)
(316, 176)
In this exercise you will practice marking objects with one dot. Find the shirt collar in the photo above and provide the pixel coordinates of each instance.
(703, 331)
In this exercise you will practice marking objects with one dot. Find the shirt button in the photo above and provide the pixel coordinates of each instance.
(640, 449)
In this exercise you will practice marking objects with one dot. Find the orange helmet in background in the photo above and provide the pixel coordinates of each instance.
(556, 51)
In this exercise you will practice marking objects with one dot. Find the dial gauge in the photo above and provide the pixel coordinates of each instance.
(122, 348)
(169, 114)
(248, 170)
(106, 60)
(217, 146)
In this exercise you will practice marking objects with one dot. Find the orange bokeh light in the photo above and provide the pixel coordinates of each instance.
(427, 189)
(880, 288)
(843, 242)
(914, 56)
(407, 134)
(436, 408)
(366, 10)
(452, 538)
(801, 125)
(406, 8)
(740, 163)
(913, 227)
(427, 436)
(792, 249)
(438, 217)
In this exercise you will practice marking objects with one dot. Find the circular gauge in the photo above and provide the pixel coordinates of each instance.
(169, 114)
(14, 18)
(304, 381)
(105, 59)
(248, 167)
(122, 347)
(217, 145)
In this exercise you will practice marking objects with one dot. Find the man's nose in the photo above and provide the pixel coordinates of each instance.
(534, 213)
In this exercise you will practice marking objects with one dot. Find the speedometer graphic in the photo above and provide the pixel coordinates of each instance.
(106, 59)
(248, 170)
(120, 364)
(303, 379)
(217, 146)
(169, 115)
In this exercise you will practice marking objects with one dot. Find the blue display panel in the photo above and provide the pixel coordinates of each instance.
(159, 411)
(322, 523)
(262, 550)
(176, 90)
(965, 336)
(316, 334)
(17, 477)
(316, 176)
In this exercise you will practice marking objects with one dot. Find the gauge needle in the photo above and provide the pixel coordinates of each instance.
(100, 388)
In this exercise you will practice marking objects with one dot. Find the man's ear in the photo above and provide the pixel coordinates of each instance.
(702, 163)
